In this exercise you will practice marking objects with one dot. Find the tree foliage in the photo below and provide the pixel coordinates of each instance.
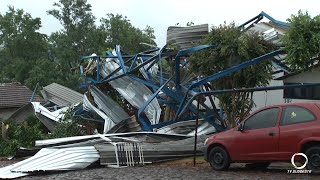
(26, 133)
(234, 47)
(302, 41)
(77, 38)
(30, 57)
(120, 31)
(80, 36)
(44, 72)
(21, 135)
(22, 44)
(20, 36)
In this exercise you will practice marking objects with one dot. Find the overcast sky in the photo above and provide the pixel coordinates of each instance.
(161, 14)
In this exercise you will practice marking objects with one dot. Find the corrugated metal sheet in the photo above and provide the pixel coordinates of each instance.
(49, 118)
(88, 106)
(133, 91)
(6, 173)
(58, 158)
(53, 159)
(50, 124)
(185, 37)
(22, 113)
(271, 32)
(112, 109)
(49, 159)
(61, 95)
(115, 154)
(77, 139)
(204, 129)
(56, 115)
(182, 127)
(129, 125)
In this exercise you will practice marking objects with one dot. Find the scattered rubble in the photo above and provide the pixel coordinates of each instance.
(127, 138)
(113, 150)
(128, 95)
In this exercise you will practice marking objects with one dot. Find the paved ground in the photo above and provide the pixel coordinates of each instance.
(276, 171)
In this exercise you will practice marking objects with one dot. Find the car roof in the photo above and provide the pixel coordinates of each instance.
(284, 105)
(293, 104)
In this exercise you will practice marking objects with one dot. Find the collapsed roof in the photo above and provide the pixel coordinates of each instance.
(61, 95)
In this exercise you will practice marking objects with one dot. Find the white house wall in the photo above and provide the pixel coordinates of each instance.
(265, 98)
(305, 77)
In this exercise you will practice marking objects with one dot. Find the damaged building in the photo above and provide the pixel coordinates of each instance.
(144, 113)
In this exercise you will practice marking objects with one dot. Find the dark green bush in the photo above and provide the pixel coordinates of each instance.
(26, 133)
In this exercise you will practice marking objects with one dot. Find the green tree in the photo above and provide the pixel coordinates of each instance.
(302, 41)
(79, 37)
(26, 133)
(20, 44)
(44, 72)
(21, 135)
(234, 47)
(120, 31)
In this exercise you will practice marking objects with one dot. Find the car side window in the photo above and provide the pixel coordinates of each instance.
(263, 119)
(295, 114)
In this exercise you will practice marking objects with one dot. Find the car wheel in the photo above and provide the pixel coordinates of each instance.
(219, 158)
(313, 154)
(258, 166)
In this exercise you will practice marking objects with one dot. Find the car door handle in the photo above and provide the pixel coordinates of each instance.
(272, 133)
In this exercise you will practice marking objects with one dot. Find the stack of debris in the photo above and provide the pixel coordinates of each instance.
(186, 37)
(113, 150)
(124, 106)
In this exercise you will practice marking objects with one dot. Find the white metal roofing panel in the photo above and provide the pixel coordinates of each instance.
(62, 95)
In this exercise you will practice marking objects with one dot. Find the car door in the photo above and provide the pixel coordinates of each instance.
(259, 138)
(297, 123)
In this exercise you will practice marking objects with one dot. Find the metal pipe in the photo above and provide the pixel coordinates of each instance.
(34, 92)
(224, 73)
(196, 134)
(214, 92)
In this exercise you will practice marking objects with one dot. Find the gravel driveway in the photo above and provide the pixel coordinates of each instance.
(276, 171)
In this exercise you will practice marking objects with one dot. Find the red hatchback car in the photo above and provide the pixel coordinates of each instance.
(274, 133)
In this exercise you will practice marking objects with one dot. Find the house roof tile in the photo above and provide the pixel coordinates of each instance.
(15, 95)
